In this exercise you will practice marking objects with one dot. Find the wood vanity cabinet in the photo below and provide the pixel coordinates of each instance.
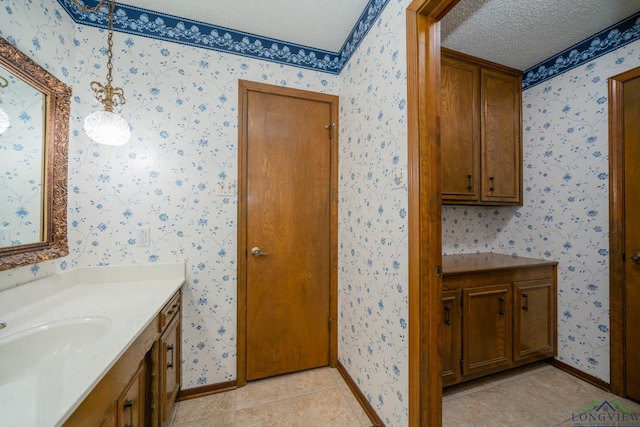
(141, 388)
(507, 317)
(480, 131)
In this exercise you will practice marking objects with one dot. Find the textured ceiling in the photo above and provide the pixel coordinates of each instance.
(517, 33)
(523, 33)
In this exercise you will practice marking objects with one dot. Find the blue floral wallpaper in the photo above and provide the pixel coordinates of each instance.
(565, 216)
(21, 150)
(182, 108)
(373, 237)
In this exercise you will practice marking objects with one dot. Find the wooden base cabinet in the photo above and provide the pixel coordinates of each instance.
(499, 312)
(141, 388)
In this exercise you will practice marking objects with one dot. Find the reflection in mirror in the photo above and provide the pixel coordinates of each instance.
(33, 162)
(22, 154)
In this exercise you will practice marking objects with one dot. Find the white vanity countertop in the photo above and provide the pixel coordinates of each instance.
(42, 382)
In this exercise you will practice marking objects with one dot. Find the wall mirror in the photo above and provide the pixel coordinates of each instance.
(34, 137)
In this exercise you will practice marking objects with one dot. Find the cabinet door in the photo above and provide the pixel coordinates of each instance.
(501, 138)
(451, 337)
(460, 130)
(487, 339)
(534, 319)
(131, 410)
(169, 368)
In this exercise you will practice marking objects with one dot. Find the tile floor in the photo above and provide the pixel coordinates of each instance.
(537, 395)
(315, 398)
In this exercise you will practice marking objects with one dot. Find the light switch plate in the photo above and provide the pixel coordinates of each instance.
(226, 188)
(143, 237)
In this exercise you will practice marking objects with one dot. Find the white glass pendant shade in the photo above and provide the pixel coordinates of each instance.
(4, 121)
(105, 127)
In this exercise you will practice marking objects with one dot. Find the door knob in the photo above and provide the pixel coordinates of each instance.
(636, 258)
(256, 252)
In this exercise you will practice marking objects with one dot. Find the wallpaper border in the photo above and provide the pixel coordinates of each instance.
(147, 23)
(607, 40)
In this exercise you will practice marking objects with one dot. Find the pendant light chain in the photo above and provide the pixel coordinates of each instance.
(109, 96)
(110, 43)
(87, 9)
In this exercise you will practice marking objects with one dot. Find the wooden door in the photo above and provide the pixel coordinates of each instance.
(460, 130)
(487, 328)
(451, 336)
(501, 139)
(534, 319)
(632, 235)
(290, 154)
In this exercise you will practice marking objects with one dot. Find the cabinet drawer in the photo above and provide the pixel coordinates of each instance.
(169, 311)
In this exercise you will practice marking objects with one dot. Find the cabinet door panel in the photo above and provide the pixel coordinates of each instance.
(501, 138)
(534, 319)
(460, 130)
(131, 408)
(487, 336)
(170, 368)
(451, 337)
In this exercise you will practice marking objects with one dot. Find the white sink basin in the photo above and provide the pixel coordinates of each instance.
(25, 351)
(65, 331)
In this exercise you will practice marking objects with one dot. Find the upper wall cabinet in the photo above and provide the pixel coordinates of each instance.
(481, 131)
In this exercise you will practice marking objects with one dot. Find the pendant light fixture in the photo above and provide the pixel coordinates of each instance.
(4, 117)
(106, 126)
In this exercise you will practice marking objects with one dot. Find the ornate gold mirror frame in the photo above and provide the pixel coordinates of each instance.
(56, 127)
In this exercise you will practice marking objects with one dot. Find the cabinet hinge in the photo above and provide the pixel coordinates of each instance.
(330, 320)
(439, 271)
